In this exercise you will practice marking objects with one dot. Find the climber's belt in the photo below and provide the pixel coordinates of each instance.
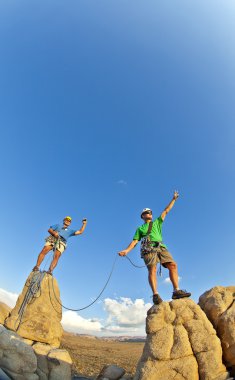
(153, 246)
(59, 244)
(62, 240)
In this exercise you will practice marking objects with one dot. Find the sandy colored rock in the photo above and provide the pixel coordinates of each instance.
(4, 312)
(219, 305)
(28, 341)
(41, 351)
(41, 317)
(60, 364)
(186, 369)
(17, 359)
(111, 372)
(181, 344)
(53, 364)
(21, 361)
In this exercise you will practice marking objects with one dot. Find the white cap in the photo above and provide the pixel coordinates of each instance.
(144, 210)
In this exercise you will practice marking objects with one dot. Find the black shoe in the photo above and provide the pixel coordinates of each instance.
(35, 269)
(49, 272)
(180, 294)
(156, 299)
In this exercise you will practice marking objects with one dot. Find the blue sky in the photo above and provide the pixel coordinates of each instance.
(107, 107)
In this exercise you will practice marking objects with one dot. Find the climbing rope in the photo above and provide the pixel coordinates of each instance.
(159, 272)
(35, 287)
(103, 289)
(47, 260)
(96, 299)
(31, 293)
(134, 265)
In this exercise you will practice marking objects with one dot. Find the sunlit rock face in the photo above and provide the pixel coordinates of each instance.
(40, 319)
(4, 312)
(181, 344)
(219, 306)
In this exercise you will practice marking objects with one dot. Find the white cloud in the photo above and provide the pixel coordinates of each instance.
(8, 297)
(122, 182)
(168, 281)
(124, 316)
(118, 330)
(72, 321)
(125, 313)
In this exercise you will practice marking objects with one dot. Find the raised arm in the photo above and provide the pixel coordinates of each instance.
(129, 248)
(171, 204)
(79, 232)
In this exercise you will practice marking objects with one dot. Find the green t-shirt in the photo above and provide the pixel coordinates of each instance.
(155, 234)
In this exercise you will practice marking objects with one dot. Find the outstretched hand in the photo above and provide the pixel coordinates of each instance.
(122, 253)
(176, 195)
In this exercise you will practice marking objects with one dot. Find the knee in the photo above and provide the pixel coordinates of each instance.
(172, 266)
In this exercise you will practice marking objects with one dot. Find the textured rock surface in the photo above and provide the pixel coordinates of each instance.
(181, 344)
(219, 306)
(60, 364)
(42, 316)
(4, 312)
(21, 361)
(111, 372)
(17, 359)
(53, 364)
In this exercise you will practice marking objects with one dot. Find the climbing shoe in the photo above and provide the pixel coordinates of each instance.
(35, 269)
(180, 294)
(156, 299)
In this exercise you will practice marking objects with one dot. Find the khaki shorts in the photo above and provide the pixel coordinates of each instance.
(159, 255)
(60, 246)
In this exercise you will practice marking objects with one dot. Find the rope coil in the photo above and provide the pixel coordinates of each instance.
(33, 288)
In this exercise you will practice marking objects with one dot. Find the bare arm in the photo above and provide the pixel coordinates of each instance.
(79, 232)
(129, 248)
(53, 233)
(171, 204)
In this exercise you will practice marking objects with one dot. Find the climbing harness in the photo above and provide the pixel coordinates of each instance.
(148, 246)
(146, 243)
(56, 242)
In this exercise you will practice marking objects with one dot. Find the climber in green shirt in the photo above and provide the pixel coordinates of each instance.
(153, 251)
